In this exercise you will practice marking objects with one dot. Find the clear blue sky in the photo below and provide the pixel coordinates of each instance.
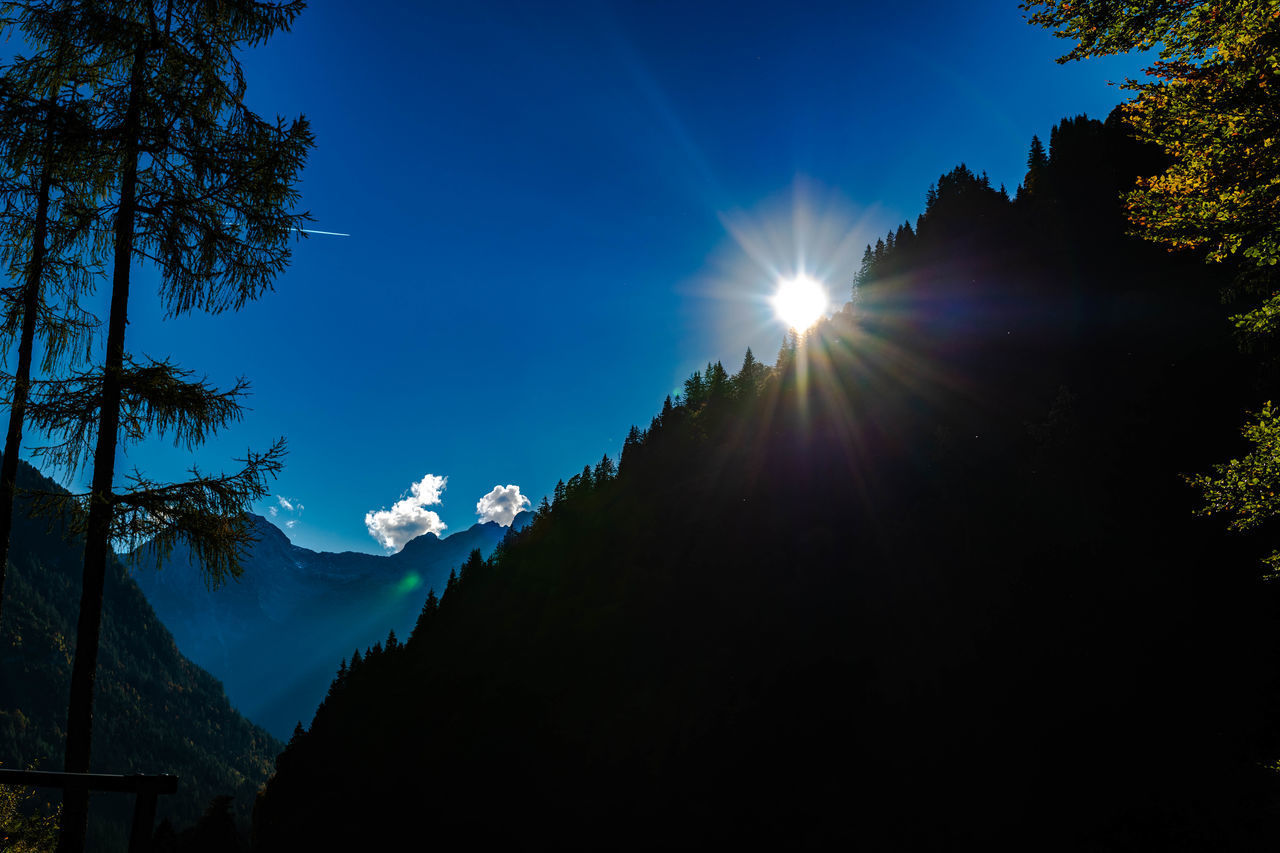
(560, 210)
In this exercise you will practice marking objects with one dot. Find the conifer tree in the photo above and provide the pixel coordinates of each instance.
(49, 176)
(202, 190)
(903, 237)
(787, 352)
(718, 385)
(630, 444)
(693, 390)
(1037, 163)
(666, 409)
(605, 470)
(427, 616)
(473, 564)
(750, 376)
(866, 269)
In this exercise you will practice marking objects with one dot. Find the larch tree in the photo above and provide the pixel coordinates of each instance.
(1210, 102)
(50, 177)
(203, 190)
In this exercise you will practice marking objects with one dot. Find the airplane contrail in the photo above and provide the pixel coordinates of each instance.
(302, 230)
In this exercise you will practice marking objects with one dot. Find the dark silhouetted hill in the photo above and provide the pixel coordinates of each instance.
(933, 581)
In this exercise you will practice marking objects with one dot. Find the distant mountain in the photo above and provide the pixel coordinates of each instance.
(276, 636)
(155, 711)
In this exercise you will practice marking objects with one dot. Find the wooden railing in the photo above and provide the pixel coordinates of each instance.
(146, 789)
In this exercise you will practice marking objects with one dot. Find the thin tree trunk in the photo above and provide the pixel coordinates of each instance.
(97, 546)
(22, 381)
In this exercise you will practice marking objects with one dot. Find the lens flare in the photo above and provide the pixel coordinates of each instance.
(800, 301)
(408, 583)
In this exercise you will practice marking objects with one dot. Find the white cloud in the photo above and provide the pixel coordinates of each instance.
(501, 505)
(408, 517)
(285, 512)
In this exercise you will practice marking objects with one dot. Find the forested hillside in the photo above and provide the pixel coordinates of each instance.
(931, 579)
(157, 712)
(271, 636)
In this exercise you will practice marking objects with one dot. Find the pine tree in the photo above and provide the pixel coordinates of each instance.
(667, 408)
(904, 236)
(630, 445)
(787, 352)
(605, 470)
(426, 617)
(339, 681)
(694, 390)
(202, 189)
(866, 269)
(469, 569)
(750, 376)
(1037, 164)
(718, 385)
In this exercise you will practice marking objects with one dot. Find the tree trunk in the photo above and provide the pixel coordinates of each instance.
(22, 381)
(97, 547)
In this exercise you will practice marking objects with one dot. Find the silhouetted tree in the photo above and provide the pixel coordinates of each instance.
(718, 385)
(694, 391)
(202, 190)
(50, 175)
(1037, 161)
(750, 376)
(429, 610)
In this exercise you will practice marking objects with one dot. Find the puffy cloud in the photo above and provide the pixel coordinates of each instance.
(408, 517)
(502, 505)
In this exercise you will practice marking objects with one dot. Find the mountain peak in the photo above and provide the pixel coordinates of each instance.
(263, 528)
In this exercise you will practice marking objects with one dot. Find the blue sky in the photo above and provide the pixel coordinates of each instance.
(560, 210)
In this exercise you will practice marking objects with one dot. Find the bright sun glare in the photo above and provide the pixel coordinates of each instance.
(800, 301)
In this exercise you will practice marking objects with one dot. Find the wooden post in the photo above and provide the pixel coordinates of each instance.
(146, 790)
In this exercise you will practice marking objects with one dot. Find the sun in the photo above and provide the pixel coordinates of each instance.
(800, 301)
